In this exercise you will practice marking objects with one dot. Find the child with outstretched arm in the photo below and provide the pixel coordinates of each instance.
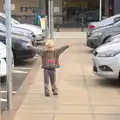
(50, 61)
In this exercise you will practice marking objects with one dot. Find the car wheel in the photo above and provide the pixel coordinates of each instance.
(104, 41)
(3, 79)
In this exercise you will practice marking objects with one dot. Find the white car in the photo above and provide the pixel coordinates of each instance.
(35, 29)
(3, 70)
(106, 60)
(115, 37)
(19, 31)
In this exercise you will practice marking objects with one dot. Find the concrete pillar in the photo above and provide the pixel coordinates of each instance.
(106, 7)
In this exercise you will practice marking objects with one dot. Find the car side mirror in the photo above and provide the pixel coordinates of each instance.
(2, 27)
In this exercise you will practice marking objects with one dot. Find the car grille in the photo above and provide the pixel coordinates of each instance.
(94, 68)
(4, 59)
(95, 53)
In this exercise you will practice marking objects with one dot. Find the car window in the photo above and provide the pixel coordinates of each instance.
(117, 19)
(109, 20)
(14, 21)
(2, 20)
(2, 37)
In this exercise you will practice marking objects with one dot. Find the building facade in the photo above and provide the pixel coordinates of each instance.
(67, 10)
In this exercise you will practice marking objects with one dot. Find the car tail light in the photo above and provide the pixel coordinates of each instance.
(91, 27)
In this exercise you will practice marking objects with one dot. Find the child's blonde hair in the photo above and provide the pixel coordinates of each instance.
(49, 42)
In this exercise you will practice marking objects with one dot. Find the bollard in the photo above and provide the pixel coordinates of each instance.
(82, 26)
(58, 24)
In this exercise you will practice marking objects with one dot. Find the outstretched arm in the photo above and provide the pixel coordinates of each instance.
(63, 48)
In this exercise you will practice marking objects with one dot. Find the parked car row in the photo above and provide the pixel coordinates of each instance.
(21, 35)
(23, 29)
(104, 38)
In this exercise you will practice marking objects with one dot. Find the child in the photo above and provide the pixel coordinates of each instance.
(50, 61)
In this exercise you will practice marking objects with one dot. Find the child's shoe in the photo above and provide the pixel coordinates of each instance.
(55, 93)
(47, 94)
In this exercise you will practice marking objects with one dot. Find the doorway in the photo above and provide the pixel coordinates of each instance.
(73, 10)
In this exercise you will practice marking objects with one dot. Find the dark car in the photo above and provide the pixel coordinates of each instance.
(19, 46)
(99, 36)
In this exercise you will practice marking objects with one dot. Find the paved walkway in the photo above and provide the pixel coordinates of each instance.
(82, 95)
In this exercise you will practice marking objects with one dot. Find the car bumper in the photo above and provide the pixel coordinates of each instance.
(23, 54)
(39, 36)
(3, 70)
(39, 39)
(93, 42)
(106, 67)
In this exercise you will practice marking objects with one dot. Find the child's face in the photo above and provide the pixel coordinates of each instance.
(50, 47)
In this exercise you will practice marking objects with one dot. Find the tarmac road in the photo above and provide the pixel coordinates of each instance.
(19, 74)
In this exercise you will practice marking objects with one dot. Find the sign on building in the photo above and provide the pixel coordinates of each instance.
(56, 9)
(12, 6)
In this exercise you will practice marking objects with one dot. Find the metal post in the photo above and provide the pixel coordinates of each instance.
(100, 10)
(40, 6)
(49, 18)
(8, 53)
(46, 28)
(52, 22)
(58, 24)
(82, 26)
(0, 99)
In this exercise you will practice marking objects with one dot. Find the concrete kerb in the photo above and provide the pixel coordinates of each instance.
(70, 35)
(21, 93)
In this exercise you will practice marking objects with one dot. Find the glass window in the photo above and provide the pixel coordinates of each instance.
(117, 19)
(2, 20)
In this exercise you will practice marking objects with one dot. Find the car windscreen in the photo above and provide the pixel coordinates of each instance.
(14, 21)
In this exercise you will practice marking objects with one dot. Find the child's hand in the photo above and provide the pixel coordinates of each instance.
(69, 44)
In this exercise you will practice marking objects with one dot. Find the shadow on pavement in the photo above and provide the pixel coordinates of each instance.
(25, 62)
(109, 83)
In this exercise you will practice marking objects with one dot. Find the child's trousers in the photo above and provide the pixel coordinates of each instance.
(49, 74)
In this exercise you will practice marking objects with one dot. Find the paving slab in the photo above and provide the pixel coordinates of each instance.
(73, 116)
(82, 95)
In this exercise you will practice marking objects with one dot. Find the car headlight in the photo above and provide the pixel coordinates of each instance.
(97, 34)
(108, 54)
(24, 45)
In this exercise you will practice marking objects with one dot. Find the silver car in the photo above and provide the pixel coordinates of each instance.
(107, 21)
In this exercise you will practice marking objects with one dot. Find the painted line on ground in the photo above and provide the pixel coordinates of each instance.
(3, 100)
(17, 71)
(6, 92)
(22, 68)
